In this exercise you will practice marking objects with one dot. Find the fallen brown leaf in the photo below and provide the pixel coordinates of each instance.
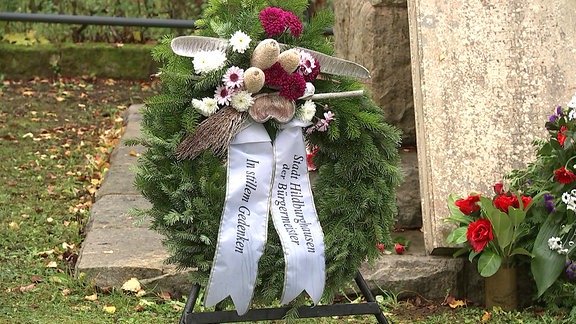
(27, 288)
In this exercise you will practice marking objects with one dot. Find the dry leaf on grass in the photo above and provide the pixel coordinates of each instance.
(132, 285)
(93, 297)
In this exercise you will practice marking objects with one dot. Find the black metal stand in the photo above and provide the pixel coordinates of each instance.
(368, 307)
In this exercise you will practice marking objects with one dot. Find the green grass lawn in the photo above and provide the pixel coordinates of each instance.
(55, 141)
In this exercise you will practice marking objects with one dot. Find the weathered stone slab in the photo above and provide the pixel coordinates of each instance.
(486, 77)
(415, 272)
(112, 256)
(374, 33)
(408, 193)
(112, 212)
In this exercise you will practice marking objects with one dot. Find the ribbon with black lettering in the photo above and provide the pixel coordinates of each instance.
(243, 229)
(244, 223)
(294, 216)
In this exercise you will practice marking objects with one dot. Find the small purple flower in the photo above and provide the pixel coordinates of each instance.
(559, 110)
(549, 203)
(553, 118)
(570, 269)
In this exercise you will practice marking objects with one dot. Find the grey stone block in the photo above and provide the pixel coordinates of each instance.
(408, 193)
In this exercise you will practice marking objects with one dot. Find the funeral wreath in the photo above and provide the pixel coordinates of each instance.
(246, 102)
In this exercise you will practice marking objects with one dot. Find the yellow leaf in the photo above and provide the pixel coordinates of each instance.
(486, 317)
(110, 309)
(93, 297)
(132, 285)
(457, 303)
(52, 264)
(133, 153)
(14, 226)
(60, 99)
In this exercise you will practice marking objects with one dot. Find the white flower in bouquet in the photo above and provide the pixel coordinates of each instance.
(307, 110)
(206, 106)
(242, 100)
(207, 61)
(240, 42)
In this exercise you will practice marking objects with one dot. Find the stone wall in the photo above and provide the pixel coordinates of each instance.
(375, 34)
(487, 74)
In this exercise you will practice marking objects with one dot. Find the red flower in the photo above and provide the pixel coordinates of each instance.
(309, 156)
(564, 176)
(561, 136)
(293, 23)
(498, 188)
(526, 201)
(503, 202)
(479, 233)
(293, 87)
(273, 20)
(399, 248)
(468, 206)
(275, 75)
(380, 247)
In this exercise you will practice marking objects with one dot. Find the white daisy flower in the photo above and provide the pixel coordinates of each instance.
(307, 63)
(240, 42)
(222, 95)
(234, 77)
(207, 61)
(307, 110)
(242, 100)
(554, 243)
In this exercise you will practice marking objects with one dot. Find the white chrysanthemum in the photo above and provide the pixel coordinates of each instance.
(307, 110)
(207, 61)
(240, 42)
(572, 115)
(206, 107)
(572, 103)
(242, 100)
(196, 103)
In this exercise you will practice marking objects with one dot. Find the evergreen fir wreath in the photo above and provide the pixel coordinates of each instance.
(186, 130)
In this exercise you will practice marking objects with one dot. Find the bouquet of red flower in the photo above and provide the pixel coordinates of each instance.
(492, 227)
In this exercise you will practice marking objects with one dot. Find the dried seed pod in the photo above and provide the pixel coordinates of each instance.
(253, 79)
(271, 105)
(290, 60)
(265, 54)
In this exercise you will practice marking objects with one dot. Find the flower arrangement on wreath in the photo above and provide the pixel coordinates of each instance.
(553, 176)
(266, 52)
(492, 228)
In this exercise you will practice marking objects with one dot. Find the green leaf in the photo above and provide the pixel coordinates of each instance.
(458, 235)
(460, 252)
(500, 222)
(456, 214)
(517, 215)
(488, 263)
(521, 251)
(546, 265)
(472, 255)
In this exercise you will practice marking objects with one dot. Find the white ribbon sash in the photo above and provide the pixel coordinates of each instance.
(244, 221)
(294, 216)
(243, 228)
